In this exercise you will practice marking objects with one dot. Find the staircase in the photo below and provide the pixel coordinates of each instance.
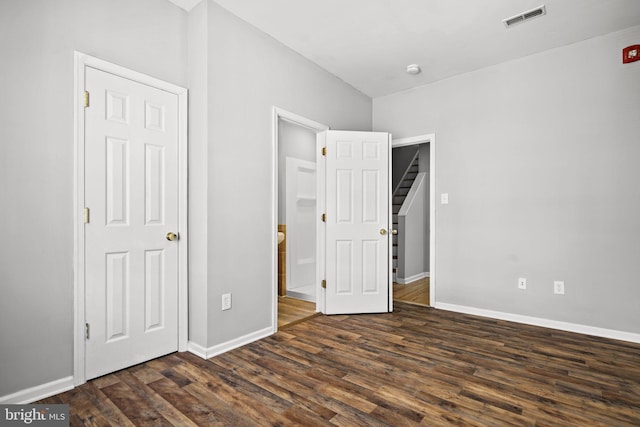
(399, 194)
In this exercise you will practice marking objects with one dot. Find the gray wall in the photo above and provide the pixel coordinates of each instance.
(540, 160)
(248, 72)
(198, 66)
(37, 40)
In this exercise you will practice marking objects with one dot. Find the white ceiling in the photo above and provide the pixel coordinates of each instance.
(369, 43)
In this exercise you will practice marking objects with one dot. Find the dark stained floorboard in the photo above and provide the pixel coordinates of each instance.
(415, 367)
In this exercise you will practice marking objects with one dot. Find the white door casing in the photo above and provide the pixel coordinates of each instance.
(277, 115)
(131, 174)
(357, 228)
(301, 220)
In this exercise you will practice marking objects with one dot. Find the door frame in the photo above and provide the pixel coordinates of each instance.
(431, 140)
(81, 62)
(316, 127)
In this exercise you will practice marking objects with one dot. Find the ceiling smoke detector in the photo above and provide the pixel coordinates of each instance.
(525, 16)
(413, 69)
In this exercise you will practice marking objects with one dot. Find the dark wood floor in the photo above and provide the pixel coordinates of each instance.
(416, 366)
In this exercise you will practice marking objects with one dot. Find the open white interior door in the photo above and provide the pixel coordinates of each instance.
(357, 257)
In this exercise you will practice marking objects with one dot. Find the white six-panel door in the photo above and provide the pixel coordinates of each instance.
(357, 222)
(131, 189)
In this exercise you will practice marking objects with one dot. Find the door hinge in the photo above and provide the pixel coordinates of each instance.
(324, 151)
(86, 99)
(324, 217)
(86, 215)
(86, 330)
(324, 284)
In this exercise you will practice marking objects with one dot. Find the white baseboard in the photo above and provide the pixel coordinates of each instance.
(546, 323)
(207, 353)
(197, 349)
(64, 384)
(293, 293)
(42, 391)
(412, 278)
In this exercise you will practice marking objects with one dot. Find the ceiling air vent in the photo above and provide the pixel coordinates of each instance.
(525, 16)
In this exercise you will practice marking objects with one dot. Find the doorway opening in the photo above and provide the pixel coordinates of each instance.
(413, 215)
(295, 256)
(297, 202)
(360, 162)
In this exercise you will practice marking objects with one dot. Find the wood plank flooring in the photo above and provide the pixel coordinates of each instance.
(415, 292)
(292, 311)
(415, 367)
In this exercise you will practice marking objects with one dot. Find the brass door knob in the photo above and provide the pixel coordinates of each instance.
(383, 231)
(171, 236)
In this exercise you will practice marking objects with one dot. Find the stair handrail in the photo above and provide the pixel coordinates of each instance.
(411, 195)
(406, 172)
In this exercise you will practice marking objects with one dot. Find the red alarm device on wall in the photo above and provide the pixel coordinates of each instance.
(631, 54)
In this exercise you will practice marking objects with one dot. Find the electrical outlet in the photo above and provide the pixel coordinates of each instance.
(558, 287)
(444, 198)
(522, 283)
(226, 302)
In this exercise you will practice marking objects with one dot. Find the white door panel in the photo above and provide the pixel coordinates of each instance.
(131, 188)
(357, 208)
